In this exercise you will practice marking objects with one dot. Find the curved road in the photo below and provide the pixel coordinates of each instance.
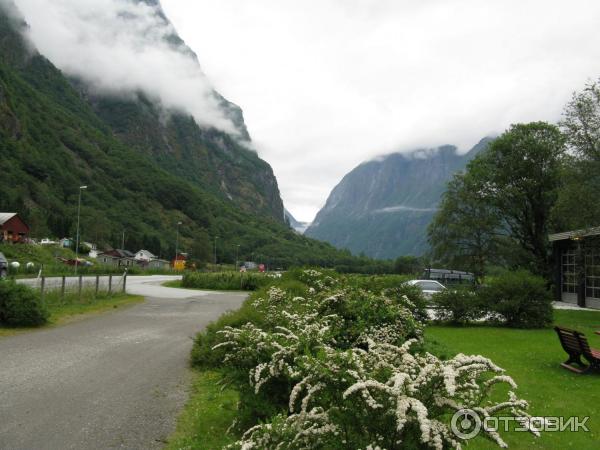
(112, 381)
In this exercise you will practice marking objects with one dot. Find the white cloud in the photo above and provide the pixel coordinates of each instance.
(327, 84)
(119, 47)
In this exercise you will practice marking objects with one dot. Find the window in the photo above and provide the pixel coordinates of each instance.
(569, 275)
(592, 273)
(430, 286)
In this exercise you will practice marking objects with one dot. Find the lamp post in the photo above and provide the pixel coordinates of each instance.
(177, 245)
(81, 188)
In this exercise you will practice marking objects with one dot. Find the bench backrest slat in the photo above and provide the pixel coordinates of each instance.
(573, 342)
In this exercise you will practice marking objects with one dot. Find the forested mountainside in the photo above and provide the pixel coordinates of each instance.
(218, 162)
(52, 141)
(382, 207)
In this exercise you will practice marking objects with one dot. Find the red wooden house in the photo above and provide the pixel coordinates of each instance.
(12, 228)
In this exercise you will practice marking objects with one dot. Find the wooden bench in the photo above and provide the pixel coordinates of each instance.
(576, 345)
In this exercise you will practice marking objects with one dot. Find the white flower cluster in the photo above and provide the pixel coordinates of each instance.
(375, 395)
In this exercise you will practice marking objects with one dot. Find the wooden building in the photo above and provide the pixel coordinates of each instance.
(12, 228)
(577, 267)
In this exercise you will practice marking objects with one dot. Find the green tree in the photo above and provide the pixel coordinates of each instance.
(407, 265)
(578, 205)
(520, 176)
(505, 198)
(465, 233)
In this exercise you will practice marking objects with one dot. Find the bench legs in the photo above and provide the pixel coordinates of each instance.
(576, 359)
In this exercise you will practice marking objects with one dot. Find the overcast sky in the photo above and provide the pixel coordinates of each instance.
(327, 84)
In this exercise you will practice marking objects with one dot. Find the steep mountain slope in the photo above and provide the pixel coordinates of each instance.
(382, 207)
(52, 141)
(218, 162)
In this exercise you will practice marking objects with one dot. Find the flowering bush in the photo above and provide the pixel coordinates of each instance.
(336, 368)
(383, 397)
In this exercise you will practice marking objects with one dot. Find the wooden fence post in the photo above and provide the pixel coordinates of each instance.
(80, 285)
(110, 284)
(62, 288)
(124, 281)
(42, 286)
(97, 284)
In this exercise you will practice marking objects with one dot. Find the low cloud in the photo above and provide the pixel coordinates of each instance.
(402, 208)
(120, 47)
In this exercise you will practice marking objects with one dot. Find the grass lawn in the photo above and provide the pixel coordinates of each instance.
(532, 358)
(61, 314)
(208, 414)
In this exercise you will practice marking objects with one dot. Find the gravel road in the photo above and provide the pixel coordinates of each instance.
(116, 380)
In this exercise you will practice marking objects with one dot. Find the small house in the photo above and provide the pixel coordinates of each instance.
(577, 267)
(13, 229)
(144, 256)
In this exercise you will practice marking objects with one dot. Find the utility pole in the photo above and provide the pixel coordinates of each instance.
(123, 241)
(237, 255)
(81, 188)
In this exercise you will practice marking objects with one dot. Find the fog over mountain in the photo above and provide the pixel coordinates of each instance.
(382, 208)
(120, 47)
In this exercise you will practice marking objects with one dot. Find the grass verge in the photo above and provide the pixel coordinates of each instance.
(532, 358)
(208, 414)
(69, 311)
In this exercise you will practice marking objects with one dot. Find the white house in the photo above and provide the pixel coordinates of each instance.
(144, 256)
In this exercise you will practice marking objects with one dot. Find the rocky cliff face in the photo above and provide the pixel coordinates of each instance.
(382, 208)
(224, 164)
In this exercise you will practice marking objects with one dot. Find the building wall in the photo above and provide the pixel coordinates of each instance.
(577, 271)
(14, 229)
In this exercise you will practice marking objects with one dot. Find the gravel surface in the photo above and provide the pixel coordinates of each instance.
(116, 380)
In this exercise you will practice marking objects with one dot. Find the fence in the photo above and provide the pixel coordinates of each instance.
(77, 286)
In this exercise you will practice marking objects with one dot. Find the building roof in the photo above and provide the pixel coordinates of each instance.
(595, 231)
(5, 217)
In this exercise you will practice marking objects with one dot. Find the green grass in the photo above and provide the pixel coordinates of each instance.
(63, 312)
(208, 414)
(532, 358)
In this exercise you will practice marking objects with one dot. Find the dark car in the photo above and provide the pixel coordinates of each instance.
(3, 266)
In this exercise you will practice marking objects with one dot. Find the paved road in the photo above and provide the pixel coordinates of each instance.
(116, 380)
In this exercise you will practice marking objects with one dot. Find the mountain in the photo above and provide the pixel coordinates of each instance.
(218, 162)
(382, 208)
(54, 138)
(299, 227)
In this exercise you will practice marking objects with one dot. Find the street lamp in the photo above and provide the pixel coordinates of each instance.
(81, 188)
(177, 245)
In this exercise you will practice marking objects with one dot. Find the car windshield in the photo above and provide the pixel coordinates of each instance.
(430, 286)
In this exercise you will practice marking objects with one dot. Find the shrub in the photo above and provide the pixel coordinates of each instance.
(226, 281)
(458, 306)
(521, 299)
(21, 306)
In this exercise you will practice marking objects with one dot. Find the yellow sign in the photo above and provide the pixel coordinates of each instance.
(179, 264)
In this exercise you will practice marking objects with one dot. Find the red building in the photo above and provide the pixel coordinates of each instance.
(12, 228)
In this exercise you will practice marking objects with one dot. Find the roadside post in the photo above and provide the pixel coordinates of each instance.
(80, 286)
(42, 288)
(110, 284)
(62, 288)
(97, 284)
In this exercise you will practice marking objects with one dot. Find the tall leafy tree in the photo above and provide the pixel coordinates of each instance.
(520, 176)
(578, 205)
(465, 232)
(508, 190)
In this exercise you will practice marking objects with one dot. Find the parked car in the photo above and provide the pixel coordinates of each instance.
(3, 266)
(428, 287)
